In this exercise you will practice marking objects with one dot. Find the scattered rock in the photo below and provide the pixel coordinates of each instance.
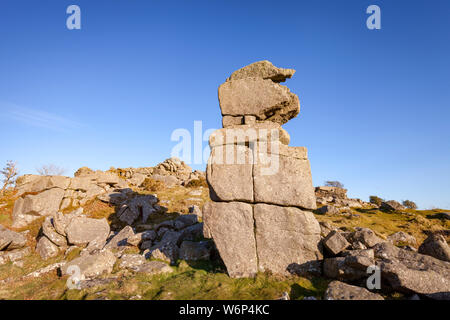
(329, 209)
(402, 238)
(82, 230)
(14, 256)
(391, 205)
(120, 239)
(153, 268)
(10, 240)
(335, 243)
(436, 246)
(131, 261)
(341, 291)
(193, 251)
(351, 267)
(92, 265)
(366, 237)
(46, 248)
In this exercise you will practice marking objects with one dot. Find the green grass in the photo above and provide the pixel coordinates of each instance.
(199, 282)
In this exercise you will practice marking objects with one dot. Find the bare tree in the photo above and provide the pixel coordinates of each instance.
(50, 170)
(9, 174)
(336, 184)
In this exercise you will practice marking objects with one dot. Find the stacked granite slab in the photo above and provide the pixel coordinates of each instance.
(261, 189)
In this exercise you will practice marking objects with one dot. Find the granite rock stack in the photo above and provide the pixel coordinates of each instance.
(261, 189)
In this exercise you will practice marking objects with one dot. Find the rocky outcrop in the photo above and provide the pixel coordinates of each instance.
(12, 246)
(337, 197)
(61, 231)
(260, 218)
(46, 195)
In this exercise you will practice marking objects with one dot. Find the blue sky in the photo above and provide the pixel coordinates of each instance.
(375, 104)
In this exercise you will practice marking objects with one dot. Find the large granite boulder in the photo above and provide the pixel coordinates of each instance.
(411, 272)
(230, 179)
(391, 205)
(231, 225)
(31, 207)
(83, 230)
(289, 185)
(285, 236)
(258, 97)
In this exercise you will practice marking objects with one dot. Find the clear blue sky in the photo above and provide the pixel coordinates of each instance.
(375, 104)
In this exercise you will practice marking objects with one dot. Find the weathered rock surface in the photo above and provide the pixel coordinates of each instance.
(193, 251)
(82, 230)
(335, 242)
(230, 179)
(402, 238)
(366, 237)
(30, 207)
(436, 246)
(131, 261)
(351, 266)
(285, 235)
(258, 133)
(412, 272)
(92, 265)
(153, 268)
(121, 238)
(231, 226)
(46, 248)
(139, 206)
(341, 291)
(290, 185)
(14, 255)
(391, 205)
(328, 209)
(262, 69)
(258, 97)
(49, 231)
(10, 240)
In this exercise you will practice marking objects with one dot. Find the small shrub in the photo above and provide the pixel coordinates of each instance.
(194, 183)
(335, 184)
(375, 200)
(409, 204)
(152, 185)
